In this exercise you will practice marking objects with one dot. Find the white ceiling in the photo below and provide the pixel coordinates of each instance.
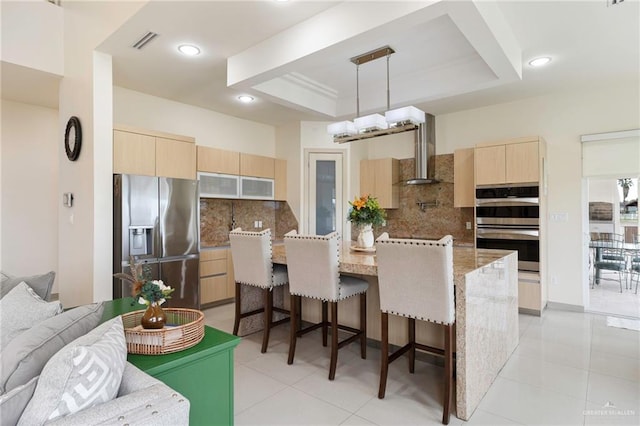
(450, 55)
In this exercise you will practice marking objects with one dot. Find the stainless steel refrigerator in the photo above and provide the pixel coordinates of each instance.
(156, 221)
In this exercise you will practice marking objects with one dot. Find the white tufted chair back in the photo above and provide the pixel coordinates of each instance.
(251, 253)
(416, 278)
(313, 265)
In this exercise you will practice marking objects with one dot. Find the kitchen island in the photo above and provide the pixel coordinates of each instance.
(486, 292)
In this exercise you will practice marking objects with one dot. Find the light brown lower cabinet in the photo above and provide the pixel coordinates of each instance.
(529, 293)
(216, 276)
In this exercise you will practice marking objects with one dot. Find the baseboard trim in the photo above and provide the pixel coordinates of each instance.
(527, 311)
(557, 306)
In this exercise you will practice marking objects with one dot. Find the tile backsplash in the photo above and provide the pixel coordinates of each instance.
(216, 218)
(439, 217)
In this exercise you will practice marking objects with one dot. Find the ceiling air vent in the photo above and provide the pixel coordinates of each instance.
(145, 39)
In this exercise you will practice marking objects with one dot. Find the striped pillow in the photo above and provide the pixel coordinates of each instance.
(85, 373)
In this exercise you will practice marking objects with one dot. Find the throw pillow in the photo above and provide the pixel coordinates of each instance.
(40, 283)
(13, 403)
(85, 373)
(25, 355)
(21, 309)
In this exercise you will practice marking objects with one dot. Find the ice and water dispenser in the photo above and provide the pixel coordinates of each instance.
(140, 240)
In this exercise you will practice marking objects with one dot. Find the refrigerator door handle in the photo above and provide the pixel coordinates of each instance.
(174, 258)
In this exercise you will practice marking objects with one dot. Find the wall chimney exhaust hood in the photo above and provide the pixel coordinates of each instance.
(425, 149)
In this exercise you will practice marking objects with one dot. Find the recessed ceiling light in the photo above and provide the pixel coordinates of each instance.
(189, 49)
(538, 62)
(245, 98)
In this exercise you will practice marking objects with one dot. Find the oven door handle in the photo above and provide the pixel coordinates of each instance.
(507, 202)
(508, 234)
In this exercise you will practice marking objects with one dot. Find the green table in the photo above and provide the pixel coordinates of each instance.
(202, 373)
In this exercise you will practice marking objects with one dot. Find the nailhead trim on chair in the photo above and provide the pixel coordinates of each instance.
(239, 231)
(327, 300)
(419, 318)
(323, 237)
(448, 241)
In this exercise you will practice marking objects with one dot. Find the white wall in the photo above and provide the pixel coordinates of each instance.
(210, 128)
(82, 267)
(102, 176)
(399, 145)
(29, 191)
(288, 148)
(32, 35)
(560, 119)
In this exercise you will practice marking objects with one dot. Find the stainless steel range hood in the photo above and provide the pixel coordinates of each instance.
(425, 150)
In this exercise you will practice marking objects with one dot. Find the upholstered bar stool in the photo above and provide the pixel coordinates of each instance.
(314, 262)
(416, 281)
(252, 265)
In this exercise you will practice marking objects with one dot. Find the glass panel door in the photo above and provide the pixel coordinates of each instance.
(325, 193)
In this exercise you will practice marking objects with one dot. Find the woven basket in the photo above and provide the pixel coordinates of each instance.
(184, 328)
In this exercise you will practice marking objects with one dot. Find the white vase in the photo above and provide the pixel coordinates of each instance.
(365, 237)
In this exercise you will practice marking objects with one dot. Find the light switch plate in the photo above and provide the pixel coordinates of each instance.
(559, 217)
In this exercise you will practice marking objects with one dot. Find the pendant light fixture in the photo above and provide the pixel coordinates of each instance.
(393, 121)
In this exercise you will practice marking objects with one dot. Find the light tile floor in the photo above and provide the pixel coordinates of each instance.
(569, 369)
(607, 298)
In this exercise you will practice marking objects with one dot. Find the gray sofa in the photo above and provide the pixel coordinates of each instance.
(51, 368)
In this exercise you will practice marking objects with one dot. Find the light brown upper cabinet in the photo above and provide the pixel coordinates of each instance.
(215, 160)
(490, 165)
(280, 180)
(134, 153)
(463, 178)
(381, 178)
(257, 166)
(516, 161)
(151, 153)
(522, 162)
(175, 159)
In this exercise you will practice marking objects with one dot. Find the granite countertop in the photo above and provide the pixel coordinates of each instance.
(465, 259)
(226, 245)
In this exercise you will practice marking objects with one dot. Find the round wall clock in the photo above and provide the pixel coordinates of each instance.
(73, 138)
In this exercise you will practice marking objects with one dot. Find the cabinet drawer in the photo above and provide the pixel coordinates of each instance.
(213, 289)
(213, 254)
(213, 267)
(529, 296)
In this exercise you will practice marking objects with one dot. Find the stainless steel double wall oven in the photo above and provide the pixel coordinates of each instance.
(508, 217)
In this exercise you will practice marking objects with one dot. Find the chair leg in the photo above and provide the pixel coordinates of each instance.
(384, 355)
(334, 340)
(299, 312)
(363, 325)
(294, 328)
(325, 321)
(236, 322)
(268, 317)
(412, 342)
(448, 370)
